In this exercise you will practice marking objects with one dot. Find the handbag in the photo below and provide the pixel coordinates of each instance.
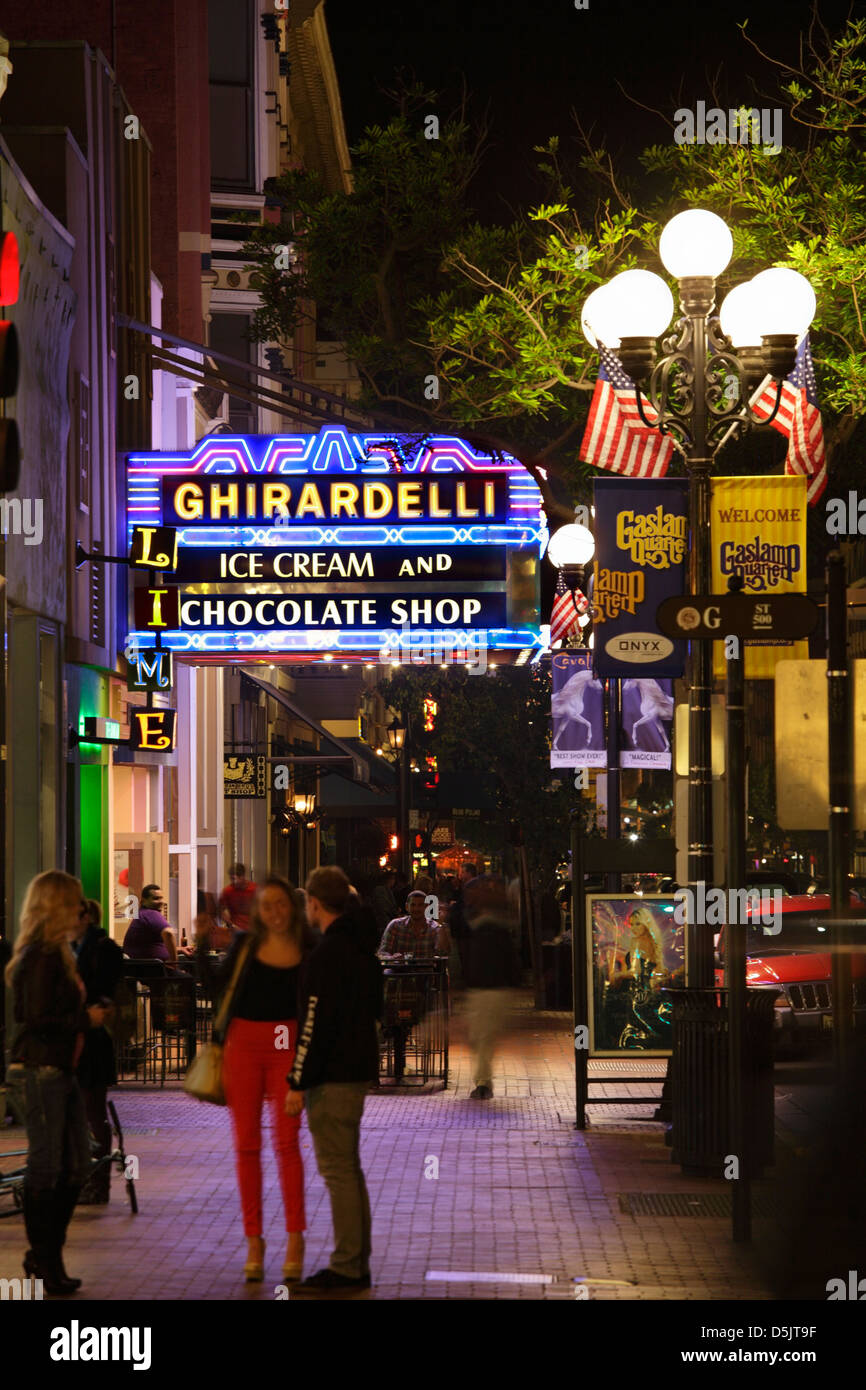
(204, 1079)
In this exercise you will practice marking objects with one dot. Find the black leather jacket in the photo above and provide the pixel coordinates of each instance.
(48, 1011)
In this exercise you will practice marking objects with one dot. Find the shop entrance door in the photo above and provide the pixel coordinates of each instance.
(139, 857)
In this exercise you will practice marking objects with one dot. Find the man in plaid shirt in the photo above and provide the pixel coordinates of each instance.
(413, 934)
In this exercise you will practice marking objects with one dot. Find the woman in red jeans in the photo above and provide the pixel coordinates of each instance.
(259, 1052)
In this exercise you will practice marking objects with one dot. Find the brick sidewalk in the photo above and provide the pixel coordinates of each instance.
(523, 1204)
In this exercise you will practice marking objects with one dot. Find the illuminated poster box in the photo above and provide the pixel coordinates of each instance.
(301, 544)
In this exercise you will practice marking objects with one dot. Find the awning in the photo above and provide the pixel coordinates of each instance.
(360, 771)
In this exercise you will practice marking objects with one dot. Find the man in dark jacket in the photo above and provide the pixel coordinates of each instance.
(100, 965)
(336, 1061)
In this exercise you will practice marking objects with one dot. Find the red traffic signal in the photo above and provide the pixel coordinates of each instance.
(10, 448)
(10, 269)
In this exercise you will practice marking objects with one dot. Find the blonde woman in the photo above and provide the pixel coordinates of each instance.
(259, 1051)
(50, 1020)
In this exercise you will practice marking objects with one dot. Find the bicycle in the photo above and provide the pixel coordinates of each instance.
(12, 1182)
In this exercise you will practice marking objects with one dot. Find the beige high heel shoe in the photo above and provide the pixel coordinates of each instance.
(254, 1270)
(293, 1271)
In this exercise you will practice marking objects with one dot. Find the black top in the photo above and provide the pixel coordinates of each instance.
(491, 959)
(100, 965)
(264, 992)
(48, 1010)
(342, 998)
(267, 992)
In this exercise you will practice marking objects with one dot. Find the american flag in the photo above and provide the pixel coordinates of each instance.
(799, 419)
(568, 606)
(616, 438)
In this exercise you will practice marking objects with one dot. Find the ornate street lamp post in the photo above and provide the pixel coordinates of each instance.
(699, 389)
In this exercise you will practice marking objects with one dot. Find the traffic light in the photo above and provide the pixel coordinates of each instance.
(10, 450)
(419, 841)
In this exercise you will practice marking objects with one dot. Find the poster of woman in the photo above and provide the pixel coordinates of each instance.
(635, 952)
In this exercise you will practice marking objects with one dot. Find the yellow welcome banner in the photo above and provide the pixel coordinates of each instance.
(758, 529)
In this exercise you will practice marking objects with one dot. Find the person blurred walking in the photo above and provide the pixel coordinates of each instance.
(100, 965)
(259, 1048)
(492, 971)
(336, 1063)
(50, 1022)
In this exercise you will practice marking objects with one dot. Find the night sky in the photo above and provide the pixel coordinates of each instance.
(535, 61)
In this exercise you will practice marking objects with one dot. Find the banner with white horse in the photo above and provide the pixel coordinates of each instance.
(578, 712)
(647, 716)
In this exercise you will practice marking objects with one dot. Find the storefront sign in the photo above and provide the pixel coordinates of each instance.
(317, 544)
(641, 535)
(578, 712)
(154, 547)
(157, 607)
(758, 530)
(152, 730)
(151, 671)
(245, 776)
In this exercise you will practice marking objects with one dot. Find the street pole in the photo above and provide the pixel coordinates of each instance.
(839, 761)
(697, 297)
(405, 854)
(735, 932)
(613, 776)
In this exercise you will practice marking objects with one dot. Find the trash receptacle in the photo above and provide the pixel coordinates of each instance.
(556, 964)
(699, 1080)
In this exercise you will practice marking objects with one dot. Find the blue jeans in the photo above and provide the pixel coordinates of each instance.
(57, 1136)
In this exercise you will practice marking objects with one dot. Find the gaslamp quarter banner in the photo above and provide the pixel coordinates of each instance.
(641, 532)
(758, 528)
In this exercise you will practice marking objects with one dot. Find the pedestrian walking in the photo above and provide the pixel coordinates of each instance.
(492, 972)
(100, 965)
(336, 1062)
(263, 969)
(50, 1022)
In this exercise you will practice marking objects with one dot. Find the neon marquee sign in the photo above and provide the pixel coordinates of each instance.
(325, 543)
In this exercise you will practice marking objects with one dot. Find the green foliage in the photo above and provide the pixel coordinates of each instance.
(495, 725)
(414, 286)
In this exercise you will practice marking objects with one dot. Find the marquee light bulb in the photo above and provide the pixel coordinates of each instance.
(597, 319)
(571, 545)
(638, 304)
(696, 243)
(785, 301)
(740, 316)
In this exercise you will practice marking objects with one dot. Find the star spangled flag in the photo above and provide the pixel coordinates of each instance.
(568, 606)
(799, 419)
(616, 437)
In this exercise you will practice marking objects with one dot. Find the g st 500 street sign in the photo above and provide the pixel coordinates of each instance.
(711, 617)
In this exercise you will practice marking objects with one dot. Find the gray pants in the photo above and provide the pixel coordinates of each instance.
(334, 1116)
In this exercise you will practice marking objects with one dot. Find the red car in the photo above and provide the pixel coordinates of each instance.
(797, 961)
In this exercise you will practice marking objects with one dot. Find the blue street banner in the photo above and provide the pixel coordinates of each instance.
(641, 544)
(578, 712)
